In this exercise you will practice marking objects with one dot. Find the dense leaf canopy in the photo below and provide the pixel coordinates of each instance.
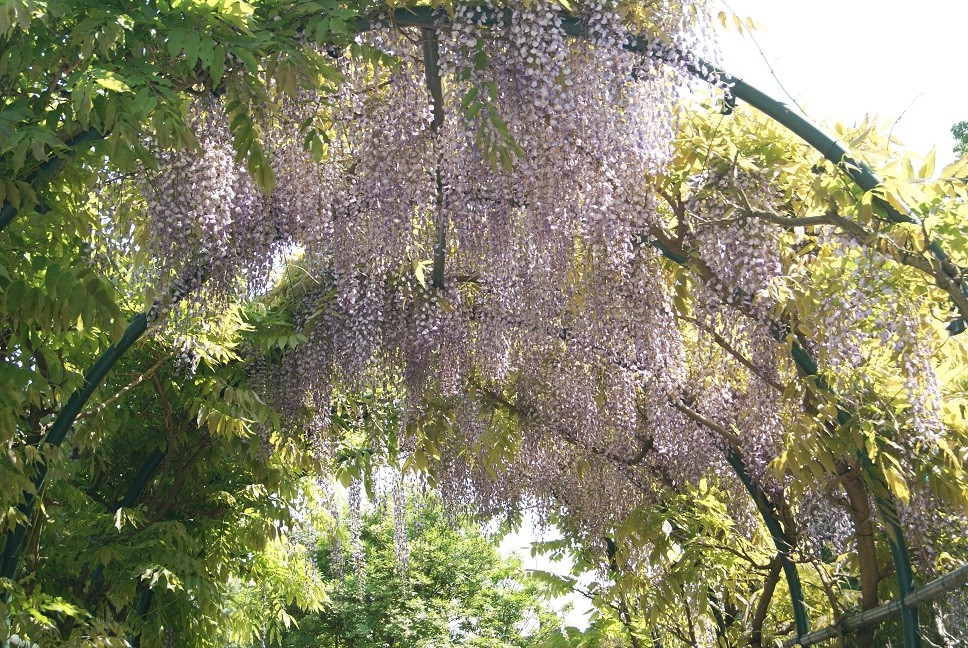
(454, 591)
(301, 242)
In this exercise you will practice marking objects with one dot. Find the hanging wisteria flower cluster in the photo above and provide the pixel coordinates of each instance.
(210, 236)
(479, 232)
(858, 328)
(479, 227)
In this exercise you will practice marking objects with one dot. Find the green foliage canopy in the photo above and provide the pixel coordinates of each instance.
(456, 591)
(109, 85)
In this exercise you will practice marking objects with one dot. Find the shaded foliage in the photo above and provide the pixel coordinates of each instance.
(456, 591)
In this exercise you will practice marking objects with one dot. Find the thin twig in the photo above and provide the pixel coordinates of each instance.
(94, 411)
(726, 346)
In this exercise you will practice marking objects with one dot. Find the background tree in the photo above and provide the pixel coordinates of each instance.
(960, 132)
(456, 590)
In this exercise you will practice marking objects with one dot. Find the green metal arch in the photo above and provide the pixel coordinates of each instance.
(781, 541)
(426, 17)
(833, 151)
(58, 432)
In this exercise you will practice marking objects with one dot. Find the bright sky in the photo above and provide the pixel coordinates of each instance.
(840, 60)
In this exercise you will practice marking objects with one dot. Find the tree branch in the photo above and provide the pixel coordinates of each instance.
(94, 411)
(946, 275)
(730, 437)
(726, 346)
(763, 604)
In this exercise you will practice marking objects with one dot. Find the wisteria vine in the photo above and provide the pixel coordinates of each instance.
(487, 249)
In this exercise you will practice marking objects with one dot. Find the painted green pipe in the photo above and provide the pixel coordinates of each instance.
(886, 510)
(910, 626)
(138, 485)
(808, 366)
(49, 168)
(904, 574)
(141, 606)
(833, 151)
(780, 539)
(140, 482)
(900, 556)
(13, 543)
(13, 540)
(58, 432)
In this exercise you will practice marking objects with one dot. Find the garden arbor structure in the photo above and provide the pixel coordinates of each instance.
(428, 20)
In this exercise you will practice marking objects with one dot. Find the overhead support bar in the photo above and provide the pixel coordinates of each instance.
(936, 588)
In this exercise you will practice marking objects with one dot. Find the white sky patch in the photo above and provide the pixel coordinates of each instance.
(842, 59)
(575, 608)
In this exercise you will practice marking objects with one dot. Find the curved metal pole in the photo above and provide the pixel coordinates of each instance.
(13, 540)
(140, 481)
(49, 168)
(832, 150)
(780, 539)
(131, 495)
(58, 432)
(141, 605)
(910, 625)
(138, 485)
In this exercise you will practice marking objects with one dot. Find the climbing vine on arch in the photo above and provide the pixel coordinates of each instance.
(583, 293)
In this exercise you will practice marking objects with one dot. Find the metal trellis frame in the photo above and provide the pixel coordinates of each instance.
(780, 539)
(936, 588)
(428, 18)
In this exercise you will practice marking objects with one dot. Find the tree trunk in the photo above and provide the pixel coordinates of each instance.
(763, 605)
(862, 520)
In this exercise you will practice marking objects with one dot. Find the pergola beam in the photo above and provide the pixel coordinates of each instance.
(936, 588)
(428, 18)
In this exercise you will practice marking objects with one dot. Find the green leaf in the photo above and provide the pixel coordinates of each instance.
(927, 167)
(112, 81)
